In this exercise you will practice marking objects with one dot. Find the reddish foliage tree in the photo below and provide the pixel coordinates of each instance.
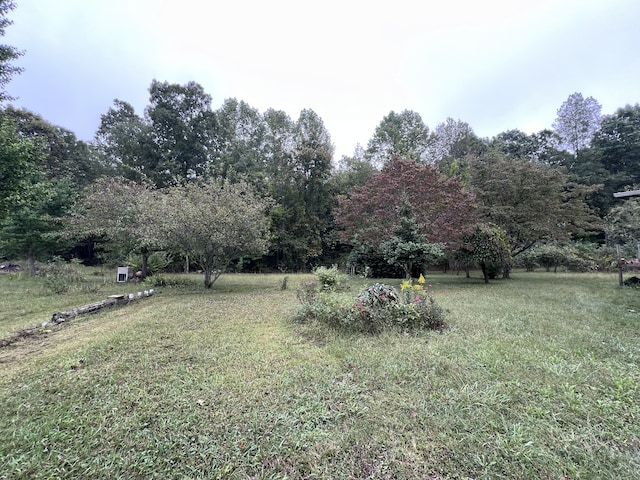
(443, 210)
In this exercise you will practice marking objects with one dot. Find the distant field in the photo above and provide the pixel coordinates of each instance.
(535, 377)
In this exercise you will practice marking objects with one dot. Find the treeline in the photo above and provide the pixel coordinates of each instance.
(412, 198)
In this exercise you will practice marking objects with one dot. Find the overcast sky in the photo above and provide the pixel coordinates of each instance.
(495, 64)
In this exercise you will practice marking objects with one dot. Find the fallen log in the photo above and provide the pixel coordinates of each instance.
(112, 300)
(61, 317)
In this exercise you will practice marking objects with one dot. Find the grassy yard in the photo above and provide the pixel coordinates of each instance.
(535, 377)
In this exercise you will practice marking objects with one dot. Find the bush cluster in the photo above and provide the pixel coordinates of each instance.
(376, 308)
(329, 279)
(554, 257)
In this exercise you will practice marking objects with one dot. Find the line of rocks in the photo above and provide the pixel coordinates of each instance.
(61, 317)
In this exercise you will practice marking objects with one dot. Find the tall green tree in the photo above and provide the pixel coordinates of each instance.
(286, 250)
(31, 205)
(352, 171)
(182, 123)
(622, 224)
(578, 120)
(7, 53)
(312, 155)
(538, 147)
(125, 141)
(614, 156)
(175, 140)
(19, 159)
(241, 144)
(33, 227)
(532, 202)
(450, 143)
(64, 156)
(403, 135)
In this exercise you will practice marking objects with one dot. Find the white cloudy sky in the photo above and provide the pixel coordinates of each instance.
(496, 64)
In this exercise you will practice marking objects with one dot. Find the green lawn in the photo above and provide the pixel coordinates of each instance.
(536, 377)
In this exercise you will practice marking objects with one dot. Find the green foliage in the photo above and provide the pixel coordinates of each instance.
(173, 281)
(569, 258)
(33, 228)
(117, 211)
(212, 222)
(377, 308)
(403, 135)
(156, 262)
(63, 155)
(622, 223)
(527, 260)
(614, 156)
(7, 52)
(369, 261)
(19, 158)
(307, 293)
(408, 247)
(61, 277)
(487, 247)
(532, 202)
(329, 279)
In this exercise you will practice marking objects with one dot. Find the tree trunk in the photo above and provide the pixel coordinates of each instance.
(506, 270)
(207, 277)
(484, 272)
(32, 264)
(145, 262)
(407, 270)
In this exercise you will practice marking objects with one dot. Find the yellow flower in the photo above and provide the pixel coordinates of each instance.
(421, 280)
(405, 285)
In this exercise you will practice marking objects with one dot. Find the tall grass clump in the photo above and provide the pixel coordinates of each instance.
(61, 277)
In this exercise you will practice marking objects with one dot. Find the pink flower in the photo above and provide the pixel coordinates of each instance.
(417, 299)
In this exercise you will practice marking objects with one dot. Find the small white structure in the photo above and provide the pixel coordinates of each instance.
(124, 274)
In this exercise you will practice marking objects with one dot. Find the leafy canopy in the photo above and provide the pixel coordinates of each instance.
(442, 209)
(530, 201)
(214, 222)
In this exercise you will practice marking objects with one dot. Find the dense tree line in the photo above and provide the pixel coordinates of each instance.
(59, 193)
(234, 187)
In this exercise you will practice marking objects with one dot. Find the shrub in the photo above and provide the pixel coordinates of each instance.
(377, 308)
(527, 260)
(156, 263)
(329, 279)
(307, 293)
(572, 258)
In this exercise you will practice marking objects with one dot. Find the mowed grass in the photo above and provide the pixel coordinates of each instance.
(535, 377)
